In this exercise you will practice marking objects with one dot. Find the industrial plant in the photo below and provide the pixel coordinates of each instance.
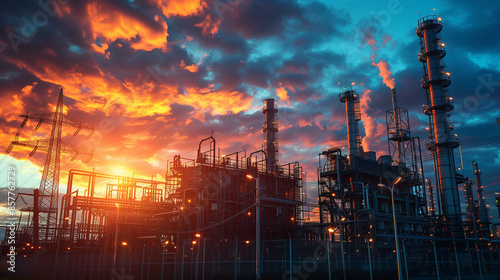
(243, 214)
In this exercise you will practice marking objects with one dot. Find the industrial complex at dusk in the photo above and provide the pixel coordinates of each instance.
(194, 166)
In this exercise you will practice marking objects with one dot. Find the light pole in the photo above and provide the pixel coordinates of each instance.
(395, 224)
(235, 256)
(341, 232)
(116, 234)
(257, 226)
(163, 257)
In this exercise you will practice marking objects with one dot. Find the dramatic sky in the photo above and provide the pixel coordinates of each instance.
(156, 76)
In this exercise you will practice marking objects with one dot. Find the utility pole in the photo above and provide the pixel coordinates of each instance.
(54, 146)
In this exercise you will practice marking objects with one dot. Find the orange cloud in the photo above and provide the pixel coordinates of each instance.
(209, 27)
(132, 140)
(303, 122)
(216, 102)
(101, 50)
(191, 68)
(180, 7)
(12, 105)
(282, 94)
(109, 24)
(96, 91)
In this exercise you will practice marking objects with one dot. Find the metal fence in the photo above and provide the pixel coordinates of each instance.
(280, 259)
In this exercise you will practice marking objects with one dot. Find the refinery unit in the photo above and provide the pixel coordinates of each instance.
(240, 215)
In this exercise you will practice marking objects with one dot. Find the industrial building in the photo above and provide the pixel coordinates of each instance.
(240, 215)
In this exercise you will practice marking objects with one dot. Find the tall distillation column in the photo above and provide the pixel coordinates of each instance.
(441, 141)
(481, 205)
(432, 201)
(348, 96)
(271, 130)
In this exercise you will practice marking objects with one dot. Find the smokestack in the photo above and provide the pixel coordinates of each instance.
(271, 130)
(398, 135)
(394, 99)
(348, 96)
(441, 143)
(483, 212)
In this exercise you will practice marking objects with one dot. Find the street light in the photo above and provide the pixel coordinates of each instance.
(341, 199)
(257, 225)
(395, 224)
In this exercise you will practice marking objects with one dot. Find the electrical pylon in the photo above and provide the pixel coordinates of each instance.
(54, 146)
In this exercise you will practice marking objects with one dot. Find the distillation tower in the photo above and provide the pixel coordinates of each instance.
(353, 115)
(481, 204)
(270, 128)
(438, 107)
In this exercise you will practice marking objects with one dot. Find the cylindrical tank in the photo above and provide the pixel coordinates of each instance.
(386, 159)
(371, 155)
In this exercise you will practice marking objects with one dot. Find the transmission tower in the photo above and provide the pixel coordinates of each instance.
(54, 146)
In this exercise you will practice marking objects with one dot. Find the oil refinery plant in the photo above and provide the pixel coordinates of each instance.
(242, 214)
